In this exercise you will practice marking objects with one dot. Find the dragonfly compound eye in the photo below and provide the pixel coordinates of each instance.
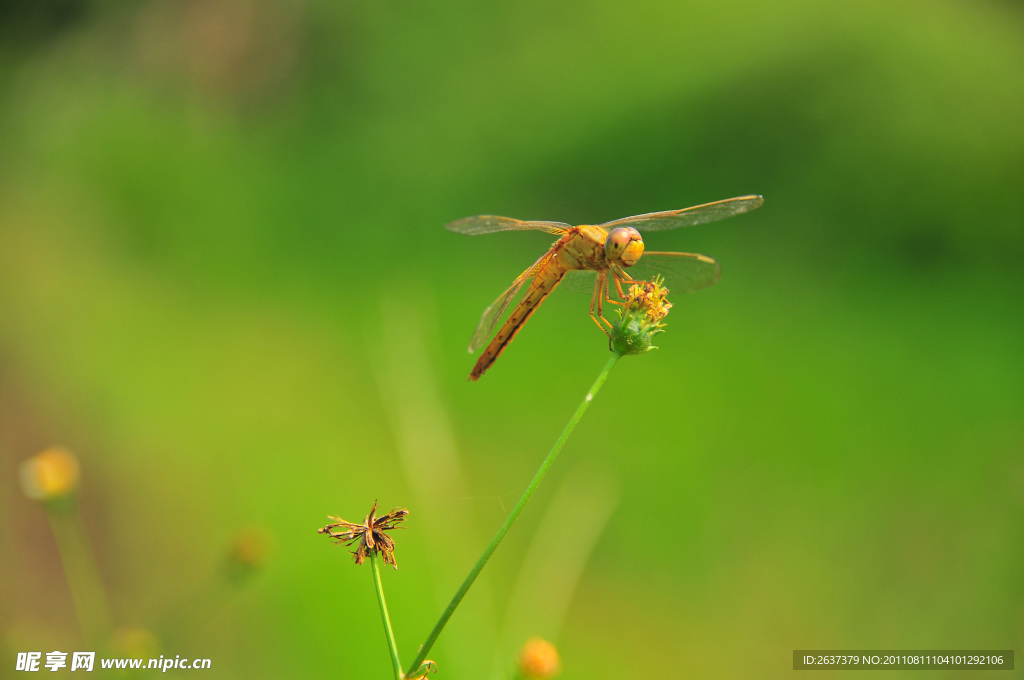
(625, 245)
(617, 241)
(633, 251)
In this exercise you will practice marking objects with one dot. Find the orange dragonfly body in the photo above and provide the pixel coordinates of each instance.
(604, 251)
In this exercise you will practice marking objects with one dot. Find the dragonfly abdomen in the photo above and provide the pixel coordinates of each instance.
(544, 282)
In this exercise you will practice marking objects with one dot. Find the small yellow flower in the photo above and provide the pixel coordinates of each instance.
(248, 552)
(137, 642)
(641, 317)
(370, 534)
(50, 475)
(538, 660)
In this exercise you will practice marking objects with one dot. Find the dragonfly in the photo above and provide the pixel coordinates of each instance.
(608, 254)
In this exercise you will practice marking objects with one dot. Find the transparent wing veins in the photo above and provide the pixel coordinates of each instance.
(579, 281)
(683, 272)
(489, 319)
(686, 217)
(490, 224)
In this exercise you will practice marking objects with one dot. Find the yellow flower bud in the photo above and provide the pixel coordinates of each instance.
(538, 660)
(249, 552)
(640, 318)
(50, 475)
(135, 642)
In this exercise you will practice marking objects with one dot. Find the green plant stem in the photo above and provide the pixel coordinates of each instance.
(390, 634)
(87, 594)
(534, 483)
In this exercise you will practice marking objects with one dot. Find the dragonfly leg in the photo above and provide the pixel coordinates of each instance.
(608, 292)
(623, 275)
(603, 329)
(618, 289)
(605, 297)
(620, 276)
(595, 302)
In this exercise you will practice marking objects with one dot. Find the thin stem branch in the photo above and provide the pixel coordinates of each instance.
(87, 593)
(379, 587)
(537, 478)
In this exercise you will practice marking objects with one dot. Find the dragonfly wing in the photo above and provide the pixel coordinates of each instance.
(489, 319)
(683, 272)
(489, 224)
(579, 280)
(698, 214)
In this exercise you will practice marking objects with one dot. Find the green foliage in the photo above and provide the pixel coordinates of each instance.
(207, 208)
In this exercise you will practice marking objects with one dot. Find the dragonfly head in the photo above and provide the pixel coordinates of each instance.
(624, 245)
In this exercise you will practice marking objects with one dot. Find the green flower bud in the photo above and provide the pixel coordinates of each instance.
(640, 317)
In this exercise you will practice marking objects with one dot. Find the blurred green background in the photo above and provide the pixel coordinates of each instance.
(224, 283)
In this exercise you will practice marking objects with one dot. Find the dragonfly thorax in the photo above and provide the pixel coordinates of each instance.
(624, 245)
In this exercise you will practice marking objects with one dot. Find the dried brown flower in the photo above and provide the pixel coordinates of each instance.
(370, 534)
